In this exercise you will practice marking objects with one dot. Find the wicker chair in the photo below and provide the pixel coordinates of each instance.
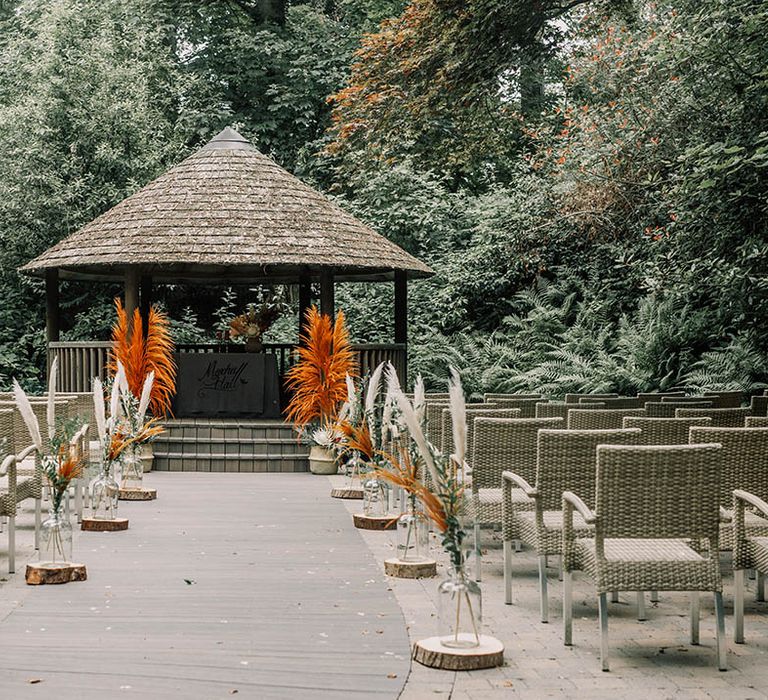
(726, 399)
(690, 400)
(575, 398)
(527, 406)
(750, 551)
(609, 419)
(617, 403)
(433, 413)
(666, 409)
(721, 417)
(446, 430)
(756, 421)
(565, 460)
(490, 398)
(657, 396)
(644, 536)
(501, 444)
(744, 466)
(557, 409)
(759, 405)
(665, 431)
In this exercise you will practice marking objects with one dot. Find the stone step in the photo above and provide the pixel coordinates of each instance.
(243, 462)
(231, 446)
(231, 431)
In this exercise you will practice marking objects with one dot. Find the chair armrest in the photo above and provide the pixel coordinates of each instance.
(751, 499)
(725, 516)
(25, 453)
(79, 435)
(5, 467)
(571, 501)
(522, 483)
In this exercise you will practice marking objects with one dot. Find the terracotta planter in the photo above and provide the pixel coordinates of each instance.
(147, 457)
(322, 461)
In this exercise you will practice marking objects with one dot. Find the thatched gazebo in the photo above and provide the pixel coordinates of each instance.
(227, 214)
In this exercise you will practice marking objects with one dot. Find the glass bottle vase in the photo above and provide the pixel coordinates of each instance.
(459, 610)
(132, 476)
(375, 499)
(104, 496)
(412, 536)
(56, 538)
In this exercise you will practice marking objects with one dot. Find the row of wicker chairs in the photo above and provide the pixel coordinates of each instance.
(634, 460)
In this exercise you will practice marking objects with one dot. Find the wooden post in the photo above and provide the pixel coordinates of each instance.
(305, 297)
(401, 317)
(131, 292)
(52, 323)
(326, 294)
(145, 300)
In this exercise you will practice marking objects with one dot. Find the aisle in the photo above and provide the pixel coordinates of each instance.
(229, 585)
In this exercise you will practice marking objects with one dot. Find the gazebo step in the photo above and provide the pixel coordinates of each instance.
(243, 462)
(210, 429)
(229, 446)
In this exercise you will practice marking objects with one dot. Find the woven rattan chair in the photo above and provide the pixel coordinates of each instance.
(499, 445)
(663, 536)
(608, 419)
(12, 492)
(617, 403)
(575, 398)
(473, 414)
(726, 399)
(666, 409)
(527, 406)
(721, 417)
(557, 409)
(565, 460)
(490, 398)
(756, 421)
(750, 551)
(759, 405)
(657, 396)
(744, 466)
(690, 400)
(664, 431)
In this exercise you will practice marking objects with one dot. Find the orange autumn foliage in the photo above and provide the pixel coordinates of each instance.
(318, 380)
(140, 355)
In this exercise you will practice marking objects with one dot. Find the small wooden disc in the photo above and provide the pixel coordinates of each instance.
(430, 652)
(41, 574)
(374, 522)
(410, 569)
(99, 525)
(137, 494)
(351, 494)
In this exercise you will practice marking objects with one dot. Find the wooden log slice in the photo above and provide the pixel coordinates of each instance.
(41, 574)
(351, 494)
(430, 652)
(410, 569)
(99, 525)
(374, 522)
(137, 494)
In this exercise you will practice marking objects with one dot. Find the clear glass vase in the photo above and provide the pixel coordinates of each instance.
(412, 536)
(133, 470)
(104, 496)
(460, 610)
(375, 498)
(56, 538)
(352, 472)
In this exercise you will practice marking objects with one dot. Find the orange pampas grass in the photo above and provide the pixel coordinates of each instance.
(140, 355)
(318, 379)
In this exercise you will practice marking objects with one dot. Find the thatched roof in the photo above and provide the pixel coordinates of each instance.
(226, 212)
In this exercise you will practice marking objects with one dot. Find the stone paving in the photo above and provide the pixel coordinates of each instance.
(650, 659)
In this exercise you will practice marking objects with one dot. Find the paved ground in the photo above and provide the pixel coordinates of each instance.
(246, 585)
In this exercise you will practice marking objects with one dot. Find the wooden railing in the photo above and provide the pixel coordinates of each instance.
(81, 361)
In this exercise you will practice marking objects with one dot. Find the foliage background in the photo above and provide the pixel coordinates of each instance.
(588, 179)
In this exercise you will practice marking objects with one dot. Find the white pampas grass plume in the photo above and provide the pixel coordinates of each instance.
(122, 379)
(146, 394)
(419, 399)
(99, 410)
(373, 389)
(414, 428)
(30, 419)
(50, 413)
(351, 393)
(114, 400)
(458, 417)
(393, 385)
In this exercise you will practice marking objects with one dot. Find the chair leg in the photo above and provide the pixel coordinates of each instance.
(654, 596)
(614, 596)
(641, 606)
(602, 607)
(79, 500)
(722, 663)
(478, 563)
(11, 544)
(543, 596)
(760, 587)
(738, 606)
(508, 572)
(38, 521)
(518, 545)
(567, 608)
(694, 617)
(560, 568)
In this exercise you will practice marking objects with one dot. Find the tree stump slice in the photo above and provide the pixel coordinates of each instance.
(100, 525)
(430, 652)
(137, 494)
(351, 494)
(42, 574)
(374, 522)
(426, 568)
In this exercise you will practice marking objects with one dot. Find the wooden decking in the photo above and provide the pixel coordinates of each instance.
(229, 585)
